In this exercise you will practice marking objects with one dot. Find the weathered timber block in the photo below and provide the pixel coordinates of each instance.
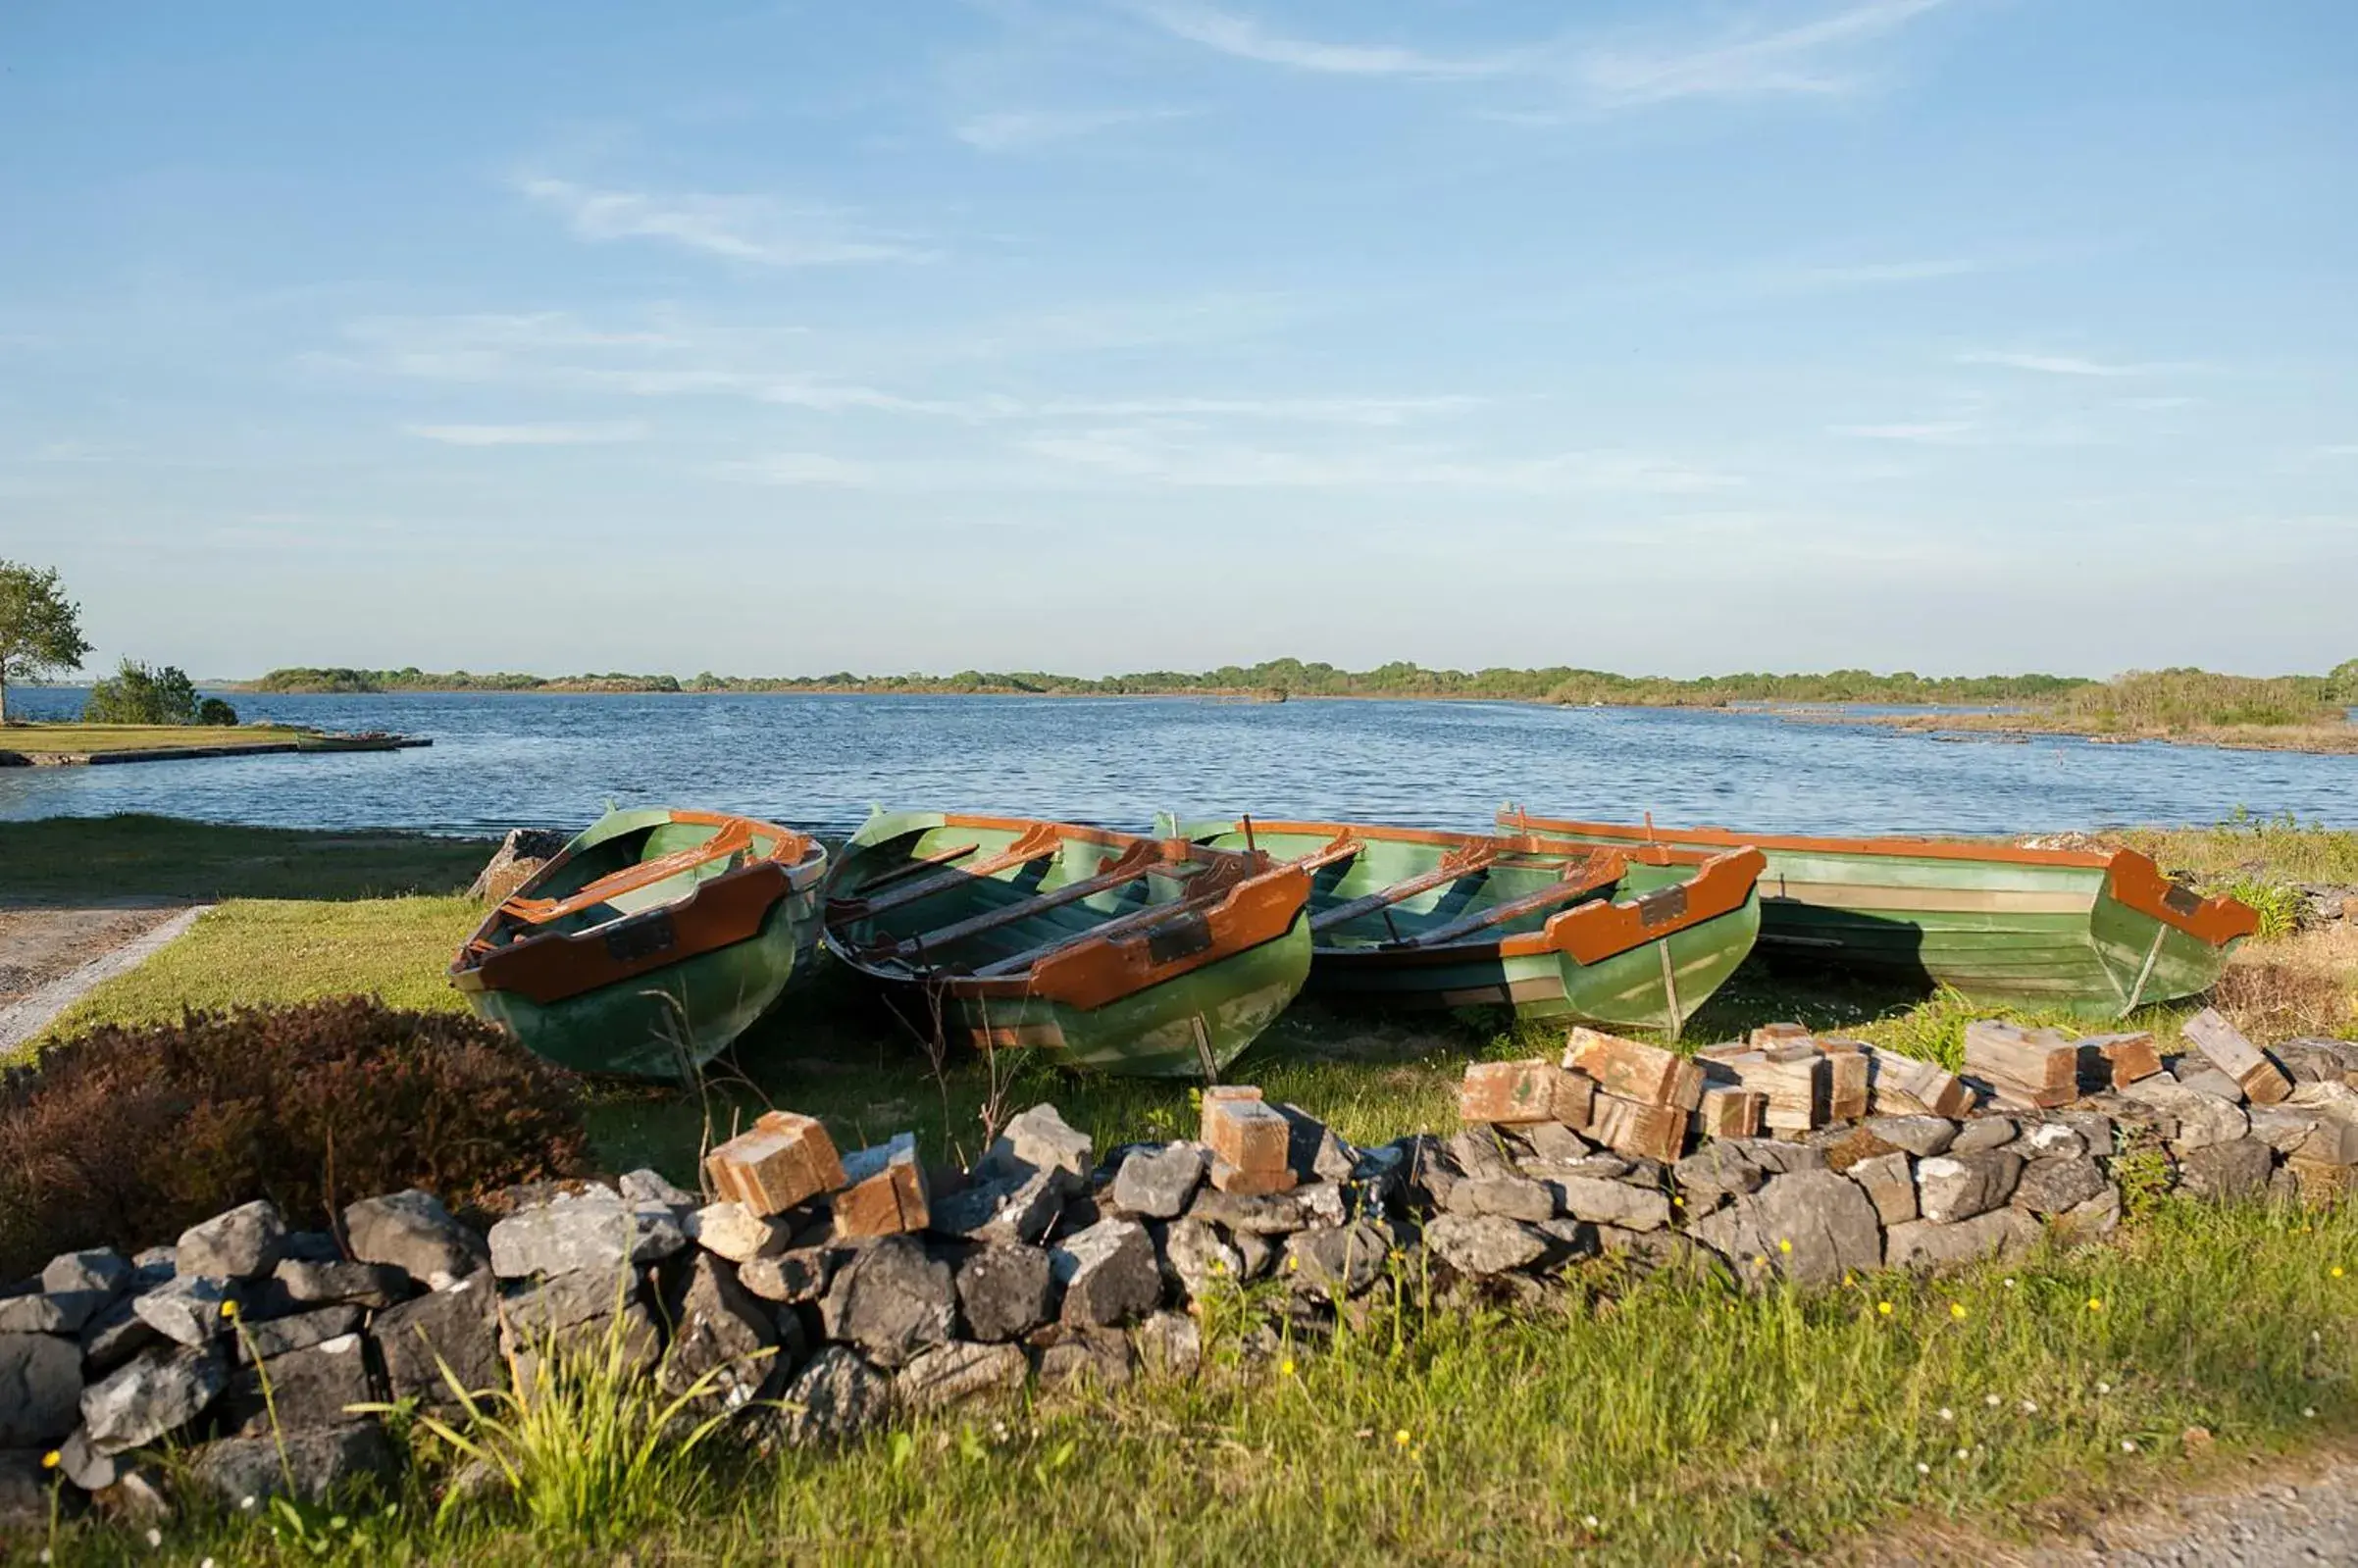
(2125, 1058)
(1647, 1132)
(1730, 1112)
(782, 1160)
(1634, 1071)
(2260, 1077)
(1767, 1037)
(2023, 1064)
(885, 1194)
(1903, 1086)
(1847, 1070)
(1247, 1135)
(1239, 1182)
(1514, 1092)
(1795, 1081)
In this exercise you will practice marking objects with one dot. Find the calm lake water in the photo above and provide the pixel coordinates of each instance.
(817, 762)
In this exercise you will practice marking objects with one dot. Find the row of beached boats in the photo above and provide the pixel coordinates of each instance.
(655, 938)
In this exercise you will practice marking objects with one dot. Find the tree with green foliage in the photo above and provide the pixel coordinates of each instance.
(2341, 682)
(138, 694)
(41, 629)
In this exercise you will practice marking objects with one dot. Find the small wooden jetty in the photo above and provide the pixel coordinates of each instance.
(309, 744)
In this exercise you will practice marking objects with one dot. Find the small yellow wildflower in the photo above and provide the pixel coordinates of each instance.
(1285, 1368)
(1883, 1307)
(2095, 1303)
(1400, 1438)
(1955, 1309)
(1784, 1244)
(229, 1309)
(2338, 1271)
(52, 1459)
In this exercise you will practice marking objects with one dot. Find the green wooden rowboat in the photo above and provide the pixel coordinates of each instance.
(2098, 932)
(1159, 958)
(649, 943)
(1555, 929)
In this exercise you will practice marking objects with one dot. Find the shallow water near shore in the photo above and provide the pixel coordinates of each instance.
(817, 762)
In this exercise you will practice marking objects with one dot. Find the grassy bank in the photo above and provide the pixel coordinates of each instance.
(1632, 1421)
(838, 1050)
(2287, 712)
(138, 856)
(84, 739)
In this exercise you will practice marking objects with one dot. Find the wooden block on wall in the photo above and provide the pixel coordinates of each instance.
(781, 1160)
(1634, 1071)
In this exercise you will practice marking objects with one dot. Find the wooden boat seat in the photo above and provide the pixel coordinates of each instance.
(1132, 864)
(1343, 847)
(734, 839)
(1208, 884)
(1037, 842)
(1582, 880)
(1455, 866)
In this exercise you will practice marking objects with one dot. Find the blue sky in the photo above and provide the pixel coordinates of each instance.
(1948, 335)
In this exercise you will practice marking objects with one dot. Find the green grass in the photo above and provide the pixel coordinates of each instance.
(53, 740)
(1635, 1422)
(279, 951)
(132, 855)
(2258, 849)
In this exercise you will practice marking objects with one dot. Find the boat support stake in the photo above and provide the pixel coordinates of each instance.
(1212, 1070)
(1669, 987)
(2145, 974)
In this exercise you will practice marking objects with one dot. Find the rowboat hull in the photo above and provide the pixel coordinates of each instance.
(1108, 951)
(1631, 942)
(2095, 933)
(657, 982)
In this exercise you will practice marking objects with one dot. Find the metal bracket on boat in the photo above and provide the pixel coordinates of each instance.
(1661, 906)
(630, 940)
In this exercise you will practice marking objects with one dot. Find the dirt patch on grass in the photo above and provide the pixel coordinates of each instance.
(40, 945)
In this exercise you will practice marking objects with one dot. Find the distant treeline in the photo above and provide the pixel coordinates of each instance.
(1557, 684)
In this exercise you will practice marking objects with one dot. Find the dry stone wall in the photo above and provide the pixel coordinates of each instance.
(824, 1294)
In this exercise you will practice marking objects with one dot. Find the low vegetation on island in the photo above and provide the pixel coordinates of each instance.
(2290, 712)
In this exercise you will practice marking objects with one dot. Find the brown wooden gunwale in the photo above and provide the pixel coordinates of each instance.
(1093, 969)
(1591, 933)
(550, 966)
(2132, 878)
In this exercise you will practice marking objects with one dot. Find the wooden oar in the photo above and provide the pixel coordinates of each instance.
(1039, 841)
(1134, 863)
(1569, 890)
(1198, 895)
(1455, 866)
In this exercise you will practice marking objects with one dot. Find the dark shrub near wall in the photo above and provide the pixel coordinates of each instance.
(130, 1134)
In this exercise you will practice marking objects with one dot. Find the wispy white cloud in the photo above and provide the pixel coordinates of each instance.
(1243, 38)
(1893, 272)
(1814, 58)
(2056, 364)
(2339, 449)
(1819, 57)
(1155, 456)
(600, 435)
(1939, 431)
(563, 354)
(801, 469)
(755, 229)
(1022, 129)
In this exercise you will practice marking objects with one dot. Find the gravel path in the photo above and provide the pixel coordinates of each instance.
(2310, 1518)
(50, 958)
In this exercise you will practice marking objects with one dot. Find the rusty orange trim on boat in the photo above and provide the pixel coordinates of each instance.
(549, 966)
(1196, 932)
(2138, 884)
(1595, 932)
